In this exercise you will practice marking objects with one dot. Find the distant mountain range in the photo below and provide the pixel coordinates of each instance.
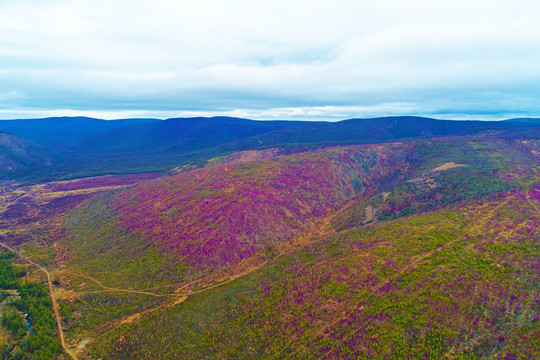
(94, 146)
(361, 131)
(178, 135)
(530, 120)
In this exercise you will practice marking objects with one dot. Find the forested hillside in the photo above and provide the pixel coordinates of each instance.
(320, 254)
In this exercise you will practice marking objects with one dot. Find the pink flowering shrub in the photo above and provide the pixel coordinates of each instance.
(213, 217)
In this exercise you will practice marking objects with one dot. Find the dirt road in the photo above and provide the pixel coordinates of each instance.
(53, 300)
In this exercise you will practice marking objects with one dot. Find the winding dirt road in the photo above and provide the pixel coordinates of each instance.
(53, 300)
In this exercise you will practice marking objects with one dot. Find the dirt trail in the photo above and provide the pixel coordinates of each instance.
(53, 300)
(320, 231)
(419, 259)
(479, 226)
(113, 289)
(416, 261)
(183, 297)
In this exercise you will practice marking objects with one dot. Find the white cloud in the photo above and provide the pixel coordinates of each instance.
(218, 56)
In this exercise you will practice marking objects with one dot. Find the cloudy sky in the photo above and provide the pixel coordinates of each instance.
(278, 59)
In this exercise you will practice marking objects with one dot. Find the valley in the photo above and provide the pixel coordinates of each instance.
(422, 247)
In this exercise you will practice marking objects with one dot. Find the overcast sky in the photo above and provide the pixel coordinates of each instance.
(282, 59)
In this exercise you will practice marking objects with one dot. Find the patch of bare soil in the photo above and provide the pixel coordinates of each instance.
(447, 166)
(369, 213)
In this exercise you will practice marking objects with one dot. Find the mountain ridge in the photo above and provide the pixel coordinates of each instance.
(93, 147)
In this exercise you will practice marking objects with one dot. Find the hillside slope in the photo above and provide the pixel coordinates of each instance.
(232, 216)
(356, 251)
(20, 157)
(455, 283)
(228, 216)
